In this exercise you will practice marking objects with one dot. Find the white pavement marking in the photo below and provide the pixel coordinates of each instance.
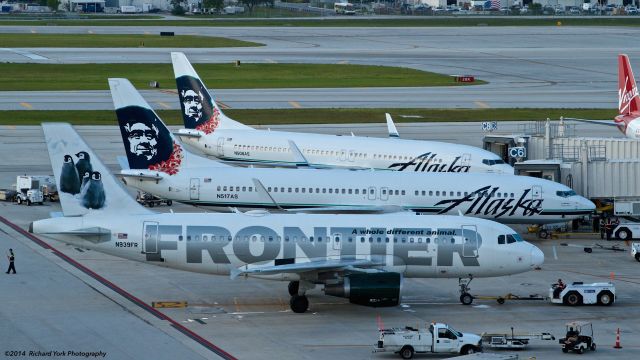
(555, 254)
(25, 53)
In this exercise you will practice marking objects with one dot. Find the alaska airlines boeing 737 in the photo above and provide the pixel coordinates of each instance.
(160, 165)
(363, 258)
(208, 129)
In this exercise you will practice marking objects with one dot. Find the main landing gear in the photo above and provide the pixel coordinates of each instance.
(465, 297)
(299, 302)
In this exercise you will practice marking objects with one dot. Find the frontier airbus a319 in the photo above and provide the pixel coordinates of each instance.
(363, 258)
(208, 129)
(159, 164)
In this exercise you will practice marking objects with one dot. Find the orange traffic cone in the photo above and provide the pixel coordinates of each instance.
(617, 345)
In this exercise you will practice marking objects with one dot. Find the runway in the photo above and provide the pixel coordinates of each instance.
(526, 66)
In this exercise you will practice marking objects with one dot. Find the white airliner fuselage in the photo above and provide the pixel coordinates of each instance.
(327, 151)
(507, 199)
(415, 246)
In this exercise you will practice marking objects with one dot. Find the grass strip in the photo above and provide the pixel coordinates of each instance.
(314, 116)
(118, 41)
(16, 77)
(435, 21)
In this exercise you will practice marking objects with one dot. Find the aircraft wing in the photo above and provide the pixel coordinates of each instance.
(319, 265)
(369, 209)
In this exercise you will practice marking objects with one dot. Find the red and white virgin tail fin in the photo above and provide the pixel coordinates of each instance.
(628, 98)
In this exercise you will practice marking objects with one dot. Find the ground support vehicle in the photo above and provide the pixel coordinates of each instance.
(579, 337)
(439, 338)
(29, 197)
(635, 251)
(579, 293)
(151, 200)
(513, 341)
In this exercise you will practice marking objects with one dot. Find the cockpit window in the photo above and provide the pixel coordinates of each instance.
(492, 162)
(509, 239)
(566, 193)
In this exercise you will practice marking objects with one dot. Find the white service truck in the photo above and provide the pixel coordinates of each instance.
(439, 338)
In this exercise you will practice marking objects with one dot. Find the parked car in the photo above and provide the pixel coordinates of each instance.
(632, 10)
(559, 10)
(574, 11)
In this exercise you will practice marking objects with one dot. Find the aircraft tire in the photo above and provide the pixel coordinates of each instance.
(299, 304)
(293, 287)
(638, 257)
(466, 299)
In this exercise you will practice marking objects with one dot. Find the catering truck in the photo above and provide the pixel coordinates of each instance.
(439, 338)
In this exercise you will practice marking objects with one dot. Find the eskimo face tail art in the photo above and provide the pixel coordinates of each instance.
(147, 141)
(79, 174)
(199, 111)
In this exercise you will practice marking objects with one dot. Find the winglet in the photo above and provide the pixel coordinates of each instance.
(393, 132)
(299, 158)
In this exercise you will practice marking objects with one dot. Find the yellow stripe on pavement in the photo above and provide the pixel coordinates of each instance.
(481, 104)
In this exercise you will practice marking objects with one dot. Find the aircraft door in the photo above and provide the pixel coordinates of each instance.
(384, 193)
(536, 192)
(470, 241)
(221, 146)
(343, 155)
(194, 189)
(150, 237)
(372, 193)
(337, 242)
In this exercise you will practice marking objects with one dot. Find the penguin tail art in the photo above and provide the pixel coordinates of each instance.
(148, 143)
(107, 194)
(199, 108)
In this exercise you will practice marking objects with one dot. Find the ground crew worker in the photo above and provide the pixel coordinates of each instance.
(11, 258)
(608, 227)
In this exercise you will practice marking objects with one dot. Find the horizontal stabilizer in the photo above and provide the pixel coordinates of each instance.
(188, 133)
(133, 174)
(598, 122)
(123, 162)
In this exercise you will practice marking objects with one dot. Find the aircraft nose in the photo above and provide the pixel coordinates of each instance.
(537, 256)
(505, 169)
(587, 204)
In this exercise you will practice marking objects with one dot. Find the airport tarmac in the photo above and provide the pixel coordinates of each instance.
(250, 318)
(569, 67)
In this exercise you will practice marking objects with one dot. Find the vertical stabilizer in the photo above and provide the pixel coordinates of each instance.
(148, 142)
(199, 109)
(85, 183)
(628, 99)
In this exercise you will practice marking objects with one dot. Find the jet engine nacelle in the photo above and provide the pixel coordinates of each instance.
(377, 290)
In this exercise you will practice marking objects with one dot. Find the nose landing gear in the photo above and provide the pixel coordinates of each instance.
(465, 297)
